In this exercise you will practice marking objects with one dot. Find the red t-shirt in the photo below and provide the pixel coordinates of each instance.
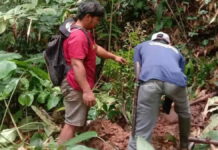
(76, 46)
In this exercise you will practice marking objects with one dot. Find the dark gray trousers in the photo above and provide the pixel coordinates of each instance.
(148, 107)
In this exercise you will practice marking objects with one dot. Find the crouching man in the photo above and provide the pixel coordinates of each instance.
(159, 69)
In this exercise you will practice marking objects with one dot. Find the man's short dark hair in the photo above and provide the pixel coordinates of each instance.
(92, 7)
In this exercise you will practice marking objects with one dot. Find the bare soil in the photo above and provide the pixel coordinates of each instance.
(165, 136)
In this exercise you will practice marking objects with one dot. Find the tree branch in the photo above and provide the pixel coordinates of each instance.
(203, 98)
(203, 141)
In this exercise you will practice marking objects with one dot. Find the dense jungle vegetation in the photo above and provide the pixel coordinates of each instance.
(31, 109)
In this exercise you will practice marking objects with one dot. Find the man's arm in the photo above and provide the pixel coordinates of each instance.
(137, 62)
(101, 52)
(137, 69)
(80, 76)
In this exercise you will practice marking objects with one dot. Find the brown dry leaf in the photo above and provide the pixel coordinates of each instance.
(204, 113)
(214, 17)
(214, 79)
(200, 92)
(196, 132)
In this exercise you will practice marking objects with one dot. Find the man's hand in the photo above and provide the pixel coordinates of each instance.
(120, 60)
(101, 52)
(89, 98)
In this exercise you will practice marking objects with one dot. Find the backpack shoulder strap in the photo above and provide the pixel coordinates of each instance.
(84, 31)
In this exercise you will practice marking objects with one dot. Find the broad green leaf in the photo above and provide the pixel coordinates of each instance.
(39, 72)
(31, 126)
(9, 56)
(37, 140)
(24, 83)
(47, 1)
(36, 58)
(201, 147)
(26, 99)
(6, 67)
(8, 135)
(35, 2)
(143, 144)
(212, 124)
(46, 11)
(106, 98)
(4, 94)
(3, 26)
(53, 101)
(107, 87)
(213, 134)
(42, 97)
(26, 7)
(80, 147)
(80, 138)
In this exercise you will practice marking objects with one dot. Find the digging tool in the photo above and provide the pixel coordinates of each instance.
(135, 98)
(134, 111)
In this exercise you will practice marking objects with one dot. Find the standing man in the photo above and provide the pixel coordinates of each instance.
(159, 69)
(80, 52)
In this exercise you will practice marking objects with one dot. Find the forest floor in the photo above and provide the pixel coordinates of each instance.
(115, 136)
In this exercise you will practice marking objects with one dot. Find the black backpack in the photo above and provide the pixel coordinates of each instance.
(53, 55)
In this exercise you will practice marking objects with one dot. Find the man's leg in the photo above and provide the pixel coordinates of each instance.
(67, 132)
(75, 116)
(75, 112)
(178, 94)
(147, 111)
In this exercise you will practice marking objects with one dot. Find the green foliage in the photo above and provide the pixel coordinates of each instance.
(37, 141)
(162, 21)
(115, 96)
(203, 67)
(29, 81)
(40, 140)
(6, 68)
(213, 135)
(79, 138)
(7, 136)
(133, 8)
(106, 105)
(28, 23)
(26, 99)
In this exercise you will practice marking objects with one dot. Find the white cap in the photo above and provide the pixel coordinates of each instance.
(161, 36)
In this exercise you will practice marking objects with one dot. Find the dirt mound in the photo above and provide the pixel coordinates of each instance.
(166, 132)
(113, 136)
(165, 136)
